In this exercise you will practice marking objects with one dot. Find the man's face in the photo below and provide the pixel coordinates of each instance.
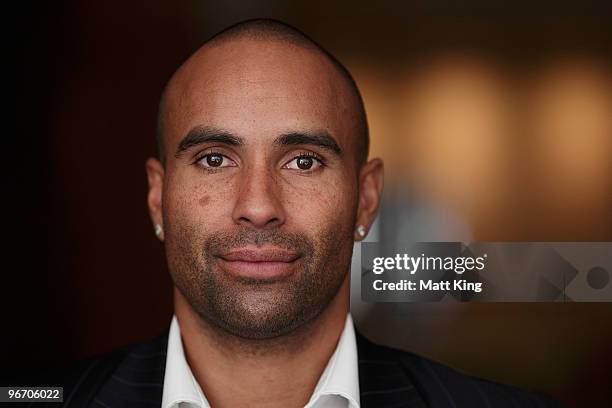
(260, 186)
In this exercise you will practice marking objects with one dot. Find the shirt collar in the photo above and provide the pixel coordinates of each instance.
(180, 386)
(340, 377)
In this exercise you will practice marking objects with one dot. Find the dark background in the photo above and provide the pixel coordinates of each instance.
(83, 272)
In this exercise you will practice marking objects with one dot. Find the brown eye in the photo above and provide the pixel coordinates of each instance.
(216, 160)
(304, 162)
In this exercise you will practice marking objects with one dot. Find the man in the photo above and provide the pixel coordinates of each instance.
(261, 188)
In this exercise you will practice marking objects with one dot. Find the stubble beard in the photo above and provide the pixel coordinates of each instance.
(251, 308)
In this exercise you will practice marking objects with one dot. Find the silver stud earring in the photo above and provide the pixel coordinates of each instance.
(158, 230)
(361, 231)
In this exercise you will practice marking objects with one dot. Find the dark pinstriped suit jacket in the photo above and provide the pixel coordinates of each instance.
(388, 378)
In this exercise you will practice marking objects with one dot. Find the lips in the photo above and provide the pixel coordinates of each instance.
(259, 263)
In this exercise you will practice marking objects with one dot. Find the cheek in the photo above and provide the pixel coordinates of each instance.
(308, 202)
(321, 204)
(194, 201)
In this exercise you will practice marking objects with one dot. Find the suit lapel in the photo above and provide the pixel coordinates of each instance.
(384, 382)
(386, 377)
(138, 380)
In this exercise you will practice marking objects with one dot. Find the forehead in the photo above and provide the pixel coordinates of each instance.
(256, 89)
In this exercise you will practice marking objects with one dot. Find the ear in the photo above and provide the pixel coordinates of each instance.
(155, 177)
(370, 191)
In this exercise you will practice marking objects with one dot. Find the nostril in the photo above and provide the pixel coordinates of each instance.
(272, 221)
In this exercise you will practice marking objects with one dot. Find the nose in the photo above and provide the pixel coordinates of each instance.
(259, 203)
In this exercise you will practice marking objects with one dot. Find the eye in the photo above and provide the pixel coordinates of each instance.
(304, 162)
(215, 160)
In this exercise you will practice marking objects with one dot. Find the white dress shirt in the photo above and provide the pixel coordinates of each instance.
(338, 386)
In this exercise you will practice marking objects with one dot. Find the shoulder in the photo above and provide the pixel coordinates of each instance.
(443, 386)
(87, 379)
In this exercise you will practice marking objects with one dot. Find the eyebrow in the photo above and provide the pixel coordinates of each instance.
(205, 134)
(320, 139)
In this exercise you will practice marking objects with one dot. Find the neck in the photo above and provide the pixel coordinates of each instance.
(282, 371)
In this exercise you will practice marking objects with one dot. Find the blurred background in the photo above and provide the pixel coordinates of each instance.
(494, 126)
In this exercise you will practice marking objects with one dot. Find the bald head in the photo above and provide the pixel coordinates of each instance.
(264, 45)
(264, 181)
